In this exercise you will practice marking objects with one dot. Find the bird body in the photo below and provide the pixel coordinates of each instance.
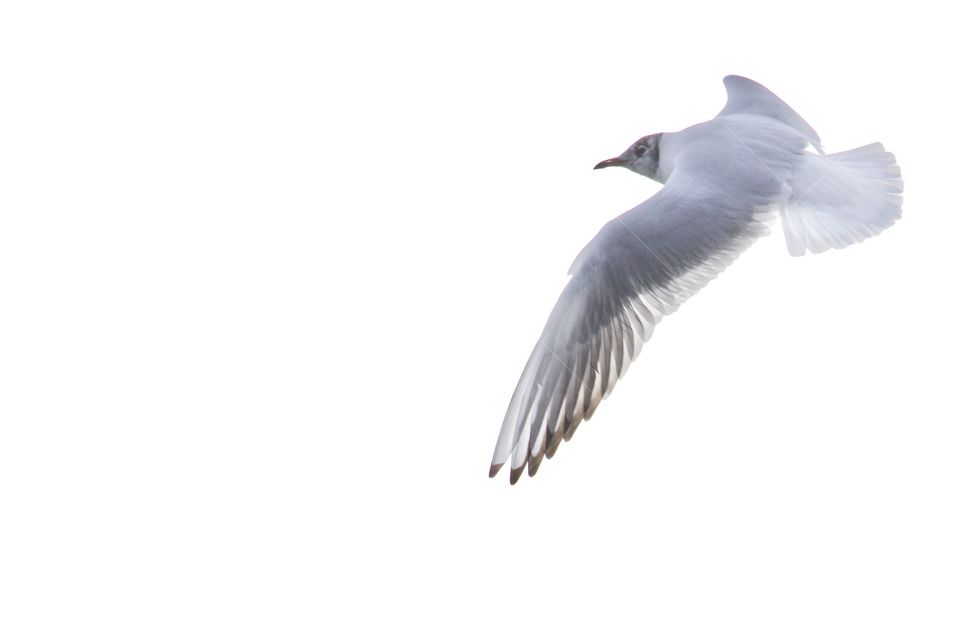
(722, 180)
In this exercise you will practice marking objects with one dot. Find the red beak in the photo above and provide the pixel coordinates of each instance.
(612, 162)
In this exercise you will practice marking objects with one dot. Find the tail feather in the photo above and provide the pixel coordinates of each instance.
(842, 198)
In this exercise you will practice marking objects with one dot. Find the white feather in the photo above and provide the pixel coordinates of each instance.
(842, 198)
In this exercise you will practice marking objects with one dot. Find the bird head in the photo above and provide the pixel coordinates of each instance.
(642, 157)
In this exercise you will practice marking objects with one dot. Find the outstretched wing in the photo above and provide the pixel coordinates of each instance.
(640, 267)
(748, 97)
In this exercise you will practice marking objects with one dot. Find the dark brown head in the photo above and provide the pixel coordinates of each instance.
(643, 157)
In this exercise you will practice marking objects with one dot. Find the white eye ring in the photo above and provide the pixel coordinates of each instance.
(640, 150)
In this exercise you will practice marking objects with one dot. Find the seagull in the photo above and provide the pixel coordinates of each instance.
(723, 180)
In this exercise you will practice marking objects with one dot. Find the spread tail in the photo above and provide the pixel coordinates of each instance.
(842, 198)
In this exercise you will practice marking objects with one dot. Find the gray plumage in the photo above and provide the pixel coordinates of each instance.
(722, 179)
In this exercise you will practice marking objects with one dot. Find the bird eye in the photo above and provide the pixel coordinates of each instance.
(639, 149)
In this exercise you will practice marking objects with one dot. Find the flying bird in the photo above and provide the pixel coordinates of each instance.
(723, 181)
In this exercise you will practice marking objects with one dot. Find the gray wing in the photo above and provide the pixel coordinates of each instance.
(640, 267)
(748, 97)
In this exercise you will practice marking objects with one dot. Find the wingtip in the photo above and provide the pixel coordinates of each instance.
(533, 464)
(567, 434)
(515, 474)
(552, 449)
(555, 439)
(733, 77)
(495, 469)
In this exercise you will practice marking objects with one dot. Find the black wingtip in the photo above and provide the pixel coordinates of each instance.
(515, 474)
(552, 449)
(533, 464)
(494, 469)
(554, 441)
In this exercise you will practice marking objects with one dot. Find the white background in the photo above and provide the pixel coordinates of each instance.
(270, 271)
